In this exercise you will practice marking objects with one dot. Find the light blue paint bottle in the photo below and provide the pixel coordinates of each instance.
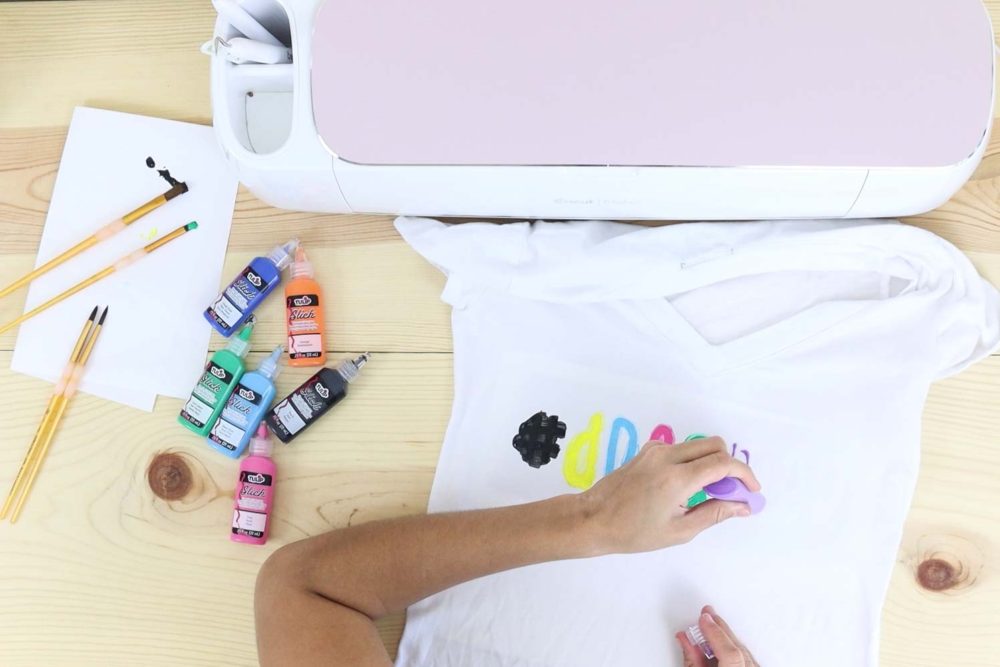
(245, 408)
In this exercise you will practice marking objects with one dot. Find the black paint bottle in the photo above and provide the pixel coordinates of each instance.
(313, 399)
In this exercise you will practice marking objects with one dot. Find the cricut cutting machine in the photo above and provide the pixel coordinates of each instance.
(684, 109)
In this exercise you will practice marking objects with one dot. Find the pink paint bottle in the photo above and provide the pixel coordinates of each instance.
(255, 492)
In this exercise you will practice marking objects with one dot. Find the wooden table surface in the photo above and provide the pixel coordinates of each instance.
(100, 570)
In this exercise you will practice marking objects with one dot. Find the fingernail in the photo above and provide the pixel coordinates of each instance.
(743, 511)
(707, 618)
(709, 609)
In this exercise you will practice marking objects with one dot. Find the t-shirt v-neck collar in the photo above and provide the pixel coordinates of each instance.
(708, 357)
(588, 263)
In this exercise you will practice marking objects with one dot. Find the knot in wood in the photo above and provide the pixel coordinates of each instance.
(169, 476)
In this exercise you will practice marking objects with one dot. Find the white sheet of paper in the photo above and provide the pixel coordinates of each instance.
(155, 339)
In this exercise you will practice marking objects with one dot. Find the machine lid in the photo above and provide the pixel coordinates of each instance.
(653, 82)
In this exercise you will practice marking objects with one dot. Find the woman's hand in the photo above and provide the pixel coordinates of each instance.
(642, 505)
(729, 651)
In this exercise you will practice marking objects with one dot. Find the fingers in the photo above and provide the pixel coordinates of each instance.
(652, 444)
(693, 657)
(744, 659)
(713, 467)
(711, 461)
(708, 514)
(693, 449)
(727, 650)
(710, 610)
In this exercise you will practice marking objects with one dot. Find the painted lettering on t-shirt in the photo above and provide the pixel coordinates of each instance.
(583, 450)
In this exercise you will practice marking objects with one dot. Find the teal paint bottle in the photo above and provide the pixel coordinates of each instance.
(246, 406)
(222, 372)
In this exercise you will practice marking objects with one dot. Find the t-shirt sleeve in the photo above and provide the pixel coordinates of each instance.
(966, 322)
(967, 328)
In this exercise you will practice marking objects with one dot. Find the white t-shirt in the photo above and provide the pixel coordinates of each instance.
(811, 345)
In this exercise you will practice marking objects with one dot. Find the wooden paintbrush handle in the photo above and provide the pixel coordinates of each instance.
(16, 487)
(59, 297)
(36, 462)
(104, 232)
(51, 264)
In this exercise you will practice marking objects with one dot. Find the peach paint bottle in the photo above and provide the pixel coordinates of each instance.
(304, 315)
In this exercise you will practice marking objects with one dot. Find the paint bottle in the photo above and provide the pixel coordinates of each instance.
(304, 314)
(313, 399)
(238, 301)
(696, 637)
(222, 372)
(246, 407)
(254, 492)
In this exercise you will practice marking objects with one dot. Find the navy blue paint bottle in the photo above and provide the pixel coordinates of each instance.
(238, 301)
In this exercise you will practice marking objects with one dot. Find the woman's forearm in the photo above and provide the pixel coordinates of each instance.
(316, 600)
(383, 567)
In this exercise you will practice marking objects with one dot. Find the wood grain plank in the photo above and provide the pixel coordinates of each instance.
(108, 571)
(955, 518)
(374, 458)
(102, 572)
(139, 57)
(381, 296)
(384, 296)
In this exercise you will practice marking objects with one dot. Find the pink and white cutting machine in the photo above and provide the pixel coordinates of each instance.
(683, 109)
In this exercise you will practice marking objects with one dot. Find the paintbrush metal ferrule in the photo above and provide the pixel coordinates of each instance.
(176, 191)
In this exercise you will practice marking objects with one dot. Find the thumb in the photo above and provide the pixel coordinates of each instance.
(709, 513)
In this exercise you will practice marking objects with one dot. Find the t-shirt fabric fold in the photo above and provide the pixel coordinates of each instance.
(808, 345)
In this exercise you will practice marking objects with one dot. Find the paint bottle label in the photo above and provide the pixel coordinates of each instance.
(235, 300)
(253, 497)
(205, 396)
(306, 404)
(305, 339)
(234, 421)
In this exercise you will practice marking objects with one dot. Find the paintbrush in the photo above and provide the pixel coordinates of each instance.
(53, 423)
(56, 393)
(103, 273)
(107, 231)
(63, 391)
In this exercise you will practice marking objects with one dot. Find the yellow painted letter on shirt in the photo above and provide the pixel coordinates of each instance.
(583, 445)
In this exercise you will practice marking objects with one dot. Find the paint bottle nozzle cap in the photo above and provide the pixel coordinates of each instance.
(241, 344)
(270, 367)
(349, 369)
(260, 444)
(302, 267)
(696, 637)
(282, 255)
